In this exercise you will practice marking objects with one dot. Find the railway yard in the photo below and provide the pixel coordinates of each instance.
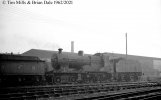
(72, 76)
(99, 91)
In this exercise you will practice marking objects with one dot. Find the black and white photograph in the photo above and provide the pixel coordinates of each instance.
(80, 49)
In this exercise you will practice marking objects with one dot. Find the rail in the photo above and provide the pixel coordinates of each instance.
(58, 91)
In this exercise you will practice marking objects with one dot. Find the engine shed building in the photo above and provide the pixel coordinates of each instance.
(150, 66)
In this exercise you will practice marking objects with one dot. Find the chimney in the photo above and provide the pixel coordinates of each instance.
(72, 46)
(60, 50)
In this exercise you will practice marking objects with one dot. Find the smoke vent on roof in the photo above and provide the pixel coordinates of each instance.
(80, 53)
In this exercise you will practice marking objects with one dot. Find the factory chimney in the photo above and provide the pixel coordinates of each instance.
(72, 46)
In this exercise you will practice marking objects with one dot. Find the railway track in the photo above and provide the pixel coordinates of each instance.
(58, 91)
(132, 94)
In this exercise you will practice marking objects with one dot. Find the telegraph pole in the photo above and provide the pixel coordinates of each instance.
(126, 51)
(126, 45)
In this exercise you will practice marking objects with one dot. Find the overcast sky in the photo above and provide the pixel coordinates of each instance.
(94, 26)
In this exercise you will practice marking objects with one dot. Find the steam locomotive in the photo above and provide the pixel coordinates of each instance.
(71, 68)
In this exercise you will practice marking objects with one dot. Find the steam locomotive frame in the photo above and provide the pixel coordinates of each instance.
(91, 77)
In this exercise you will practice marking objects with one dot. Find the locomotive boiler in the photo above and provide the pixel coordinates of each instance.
(76, 62)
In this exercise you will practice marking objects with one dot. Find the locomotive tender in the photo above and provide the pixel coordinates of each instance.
(17, 70)
(21, 70)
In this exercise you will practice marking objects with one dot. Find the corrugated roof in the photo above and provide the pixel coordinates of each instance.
(45, 53)
(39, 53)
(48, 53)
(130, 56)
